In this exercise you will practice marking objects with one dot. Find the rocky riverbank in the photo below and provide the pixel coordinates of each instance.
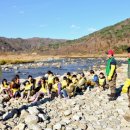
(90, 111)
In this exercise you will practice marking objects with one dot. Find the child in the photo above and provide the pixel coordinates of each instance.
(102, 81)
(74, 80)
(43, 89)
(70, 89)
(64, 86)
(93, 81)
(29, 86)
(5, 86)
(64, 82)
(17, 77)
(50, 77)
(82, 81)
(32, 81)
(69, 75)
(15, 87)
(57, 87)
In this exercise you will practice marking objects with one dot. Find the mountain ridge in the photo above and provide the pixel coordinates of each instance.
(116, 37)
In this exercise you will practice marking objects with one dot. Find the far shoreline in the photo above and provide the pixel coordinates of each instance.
(33, 57)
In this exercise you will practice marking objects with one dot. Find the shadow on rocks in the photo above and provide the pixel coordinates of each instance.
(17, 111)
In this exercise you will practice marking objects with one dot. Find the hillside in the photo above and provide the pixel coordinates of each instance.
(32, 44)
(116, 37)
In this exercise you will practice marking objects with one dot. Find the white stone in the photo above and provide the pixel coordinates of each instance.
(33, 110)
(67, 112)
(76, 117)
(20, 126)
(43, 116)
(57, 126)
(31, 119)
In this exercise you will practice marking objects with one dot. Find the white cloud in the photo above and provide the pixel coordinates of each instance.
(91, 29)
(73, 26)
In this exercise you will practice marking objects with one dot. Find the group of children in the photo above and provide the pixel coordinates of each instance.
(53, 86)
(70, 84)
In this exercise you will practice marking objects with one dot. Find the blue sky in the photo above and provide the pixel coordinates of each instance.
(62, 19)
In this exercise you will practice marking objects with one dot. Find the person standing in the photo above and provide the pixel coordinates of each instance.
(126, 87)
(111, 74)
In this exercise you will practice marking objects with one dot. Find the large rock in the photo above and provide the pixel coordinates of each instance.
(24, 114)
(31, 119)
(34, 127)
(20, 126)
(33, 110)
(2, 126)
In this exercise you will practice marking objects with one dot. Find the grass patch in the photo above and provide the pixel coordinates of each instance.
(3, 62)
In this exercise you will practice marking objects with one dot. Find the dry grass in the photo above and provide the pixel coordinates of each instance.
(94, 56)
(26, 58)
(22, 58)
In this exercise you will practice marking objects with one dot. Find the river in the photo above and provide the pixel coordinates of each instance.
(64, 66)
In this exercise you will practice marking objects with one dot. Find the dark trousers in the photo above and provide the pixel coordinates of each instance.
(128, 93)
(112, 84)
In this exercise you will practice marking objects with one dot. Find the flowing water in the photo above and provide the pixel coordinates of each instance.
(66, 65)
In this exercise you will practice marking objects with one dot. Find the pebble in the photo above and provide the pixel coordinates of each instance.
(67, 112)
(57, 126)
(76, 117)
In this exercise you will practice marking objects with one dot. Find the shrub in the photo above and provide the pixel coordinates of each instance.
(2, 62)
(121, 48)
